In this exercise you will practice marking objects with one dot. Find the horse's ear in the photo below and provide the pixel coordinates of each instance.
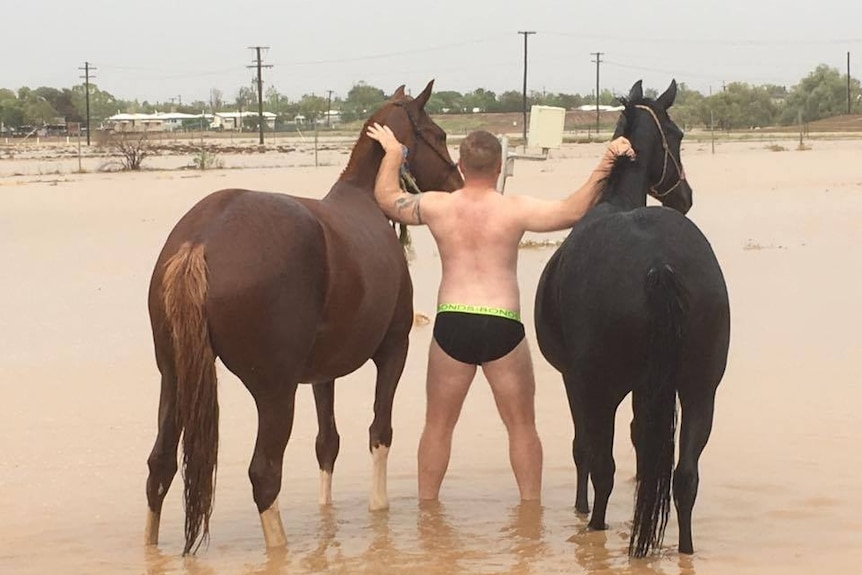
(636, 94)
(665, 101)
(398, 93)
(422, 98)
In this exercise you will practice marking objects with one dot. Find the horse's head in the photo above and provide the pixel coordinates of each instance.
(428, 158)
(657, 139)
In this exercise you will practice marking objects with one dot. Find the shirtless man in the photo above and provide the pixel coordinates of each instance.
(477, 231)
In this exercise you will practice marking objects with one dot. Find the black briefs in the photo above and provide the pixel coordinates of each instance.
(477, 335)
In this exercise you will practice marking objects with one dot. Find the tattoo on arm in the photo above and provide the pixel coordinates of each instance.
(410, 205)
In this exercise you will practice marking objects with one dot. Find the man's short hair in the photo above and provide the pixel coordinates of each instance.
(481, 153)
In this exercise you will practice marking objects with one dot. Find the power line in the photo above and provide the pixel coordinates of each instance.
(393, 54)
(526, 34)
(259, 65)
(87, 69)
(718, 42)
(598, 62)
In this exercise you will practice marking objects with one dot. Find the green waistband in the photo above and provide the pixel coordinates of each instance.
(480, 309)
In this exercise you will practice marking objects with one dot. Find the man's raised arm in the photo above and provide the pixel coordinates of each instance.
(395, 203)
(548, 215)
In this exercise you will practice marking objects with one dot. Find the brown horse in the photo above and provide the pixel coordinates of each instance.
(284, 290)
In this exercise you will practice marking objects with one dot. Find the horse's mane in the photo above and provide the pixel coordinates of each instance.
(363, 142)
(622, 163)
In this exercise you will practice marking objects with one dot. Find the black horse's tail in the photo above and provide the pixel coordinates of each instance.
(655, 409)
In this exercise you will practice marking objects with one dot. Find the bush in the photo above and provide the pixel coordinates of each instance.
(131, 147)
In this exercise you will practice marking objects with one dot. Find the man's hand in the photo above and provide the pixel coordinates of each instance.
(618, 147)
(385, 136)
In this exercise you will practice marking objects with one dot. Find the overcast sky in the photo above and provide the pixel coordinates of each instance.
(161, 49)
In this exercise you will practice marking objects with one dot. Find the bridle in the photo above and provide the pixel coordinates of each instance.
(408, 182)
(680, 173)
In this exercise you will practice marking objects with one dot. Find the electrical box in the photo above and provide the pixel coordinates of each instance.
(546, 127)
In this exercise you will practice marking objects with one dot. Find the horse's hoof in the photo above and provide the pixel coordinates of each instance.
(599, 527)
(381, 505)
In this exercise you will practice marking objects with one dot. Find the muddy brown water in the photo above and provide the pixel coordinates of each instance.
(780, 477)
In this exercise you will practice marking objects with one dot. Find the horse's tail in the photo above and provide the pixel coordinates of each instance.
(655, 408)
(185, 292)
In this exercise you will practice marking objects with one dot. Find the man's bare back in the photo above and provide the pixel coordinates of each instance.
(477, 231)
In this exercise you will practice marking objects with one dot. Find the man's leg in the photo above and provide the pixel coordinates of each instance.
(514, 387)
(446, 387)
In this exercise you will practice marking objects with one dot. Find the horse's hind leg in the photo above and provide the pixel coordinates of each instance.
(697, 414)
(275, 410)
(389, 359)
(600, 431)
(162, 461)
(328, 439)
(580, 446)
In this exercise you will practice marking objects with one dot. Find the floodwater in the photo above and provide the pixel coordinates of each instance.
(780, 477)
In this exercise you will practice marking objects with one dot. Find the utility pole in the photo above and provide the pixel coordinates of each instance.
(259, 65)
(849, 94)
(598, 62)
(711, 123)
(328, 108)
(87, 69)
(525, 33)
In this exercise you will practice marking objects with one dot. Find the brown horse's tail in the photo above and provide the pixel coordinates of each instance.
(185, 292)
(655, 408)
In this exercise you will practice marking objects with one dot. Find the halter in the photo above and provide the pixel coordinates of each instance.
(408, 182)
(652, 189)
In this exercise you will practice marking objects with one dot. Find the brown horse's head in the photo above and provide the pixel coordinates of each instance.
(428, 158)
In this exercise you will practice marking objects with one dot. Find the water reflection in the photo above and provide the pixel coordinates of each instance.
(430, 539)
(318, 559)
(159, 563)
(525, 537)
(606, 553)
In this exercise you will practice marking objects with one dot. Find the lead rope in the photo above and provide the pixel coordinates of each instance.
(409, 185)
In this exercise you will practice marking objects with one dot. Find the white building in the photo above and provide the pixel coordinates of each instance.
(234, 120)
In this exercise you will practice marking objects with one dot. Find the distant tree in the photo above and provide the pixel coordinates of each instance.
(102, 104)
(245, 97)
(216, 99)
(445, 102)
(775, 91)
(273, 101)
(38, 111)
(821, 94)
(481, 99)
(11, 114)
(687, 107)
(312, 107)
(511, 101)
(740, 105)
(361, 101)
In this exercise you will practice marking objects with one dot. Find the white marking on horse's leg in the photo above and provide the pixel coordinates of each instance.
(379, 499)
(325, 497)
(273, 530)
(151, 531)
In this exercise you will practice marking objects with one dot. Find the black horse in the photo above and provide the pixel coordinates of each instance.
(634, 301)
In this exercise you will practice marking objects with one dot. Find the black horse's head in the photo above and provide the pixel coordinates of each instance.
(428, 158)
(657, 139)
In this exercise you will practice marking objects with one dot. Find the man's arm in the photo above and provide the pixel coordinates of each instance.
(548, 215)
(395, 203)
